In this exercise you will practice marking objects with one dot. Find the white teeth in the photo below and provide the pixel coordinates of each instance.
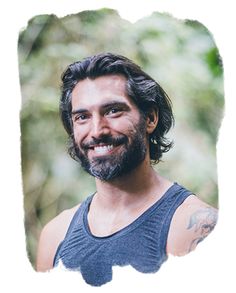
(103, 149)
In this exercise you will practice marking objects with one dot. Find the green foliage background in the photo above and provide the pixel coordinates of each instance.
(180, 55)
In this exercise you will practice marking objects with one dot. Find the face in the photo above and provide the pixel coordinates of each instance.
(109, 131)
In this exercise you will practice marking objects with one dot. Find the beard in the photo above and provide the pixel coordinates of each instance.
(121, 162)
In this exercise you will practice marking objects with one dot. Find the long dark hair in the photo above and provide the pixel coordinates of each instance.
(144, 90)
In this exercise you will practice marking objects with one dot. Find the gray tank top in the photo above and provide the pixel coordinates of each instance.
(141, 244)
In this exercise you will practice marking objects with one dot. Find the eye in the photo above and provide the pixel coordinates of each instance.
(81, 117)
(114, 111)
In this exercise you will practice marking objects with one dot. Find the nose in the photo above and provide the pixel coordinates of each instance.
(99, 127)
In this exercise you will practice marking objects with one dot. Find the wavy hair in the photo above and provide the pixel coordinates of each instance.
(144, 90)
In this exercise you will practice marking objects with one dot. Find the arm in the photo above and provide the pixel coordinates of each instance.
(192, 223)
(51, 236)
(201, 223)
(47, 247)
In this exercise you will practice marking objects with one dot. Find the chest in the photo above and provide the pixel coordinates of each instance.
(95, 257)
(101, 224)
(138, 245)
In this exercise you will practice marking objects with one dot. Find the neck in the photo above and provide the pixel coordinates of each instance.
(128, 188)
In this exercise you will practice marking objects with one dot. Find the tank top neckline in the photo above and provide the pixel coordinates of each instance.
(135, 223)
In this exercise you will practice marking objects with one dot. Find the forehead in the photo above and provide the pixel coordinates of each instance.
(103, 89)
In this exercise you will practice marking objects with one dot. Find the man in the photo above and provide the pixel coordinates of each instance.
(117, 117)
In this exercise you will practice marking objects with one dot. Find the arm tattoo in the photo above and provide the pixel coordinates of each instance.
(203, 221)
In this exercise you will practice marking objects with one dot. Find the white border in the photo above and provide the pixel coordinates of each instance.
(206, 270)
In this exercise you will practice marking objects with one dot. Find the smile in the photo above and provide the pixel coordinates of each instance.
(101, 150)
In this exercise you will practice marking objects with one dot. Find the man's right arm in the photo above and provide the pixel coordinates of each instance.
(51, 236)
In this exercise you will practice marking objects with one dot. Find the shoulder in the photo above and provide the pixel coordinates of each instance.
(51, 236)
(191, 223)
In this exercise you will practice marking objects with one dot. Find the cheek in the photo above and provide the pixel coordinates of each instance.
(124, 125)
(79, 134)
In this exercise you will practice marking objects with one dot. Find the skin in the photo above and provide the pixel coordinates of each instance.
(101, 107)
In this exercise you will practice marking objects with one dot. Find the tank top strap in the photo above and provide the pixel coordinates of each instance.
(175, 198)
(79, 214)
(74, 222)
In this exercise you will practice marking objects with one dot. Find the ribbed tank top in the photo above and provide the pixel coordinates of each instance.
(141, 244)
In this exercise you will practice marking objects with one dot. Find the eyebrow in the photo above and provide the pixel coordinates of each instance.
(103, 106)
(78, 111)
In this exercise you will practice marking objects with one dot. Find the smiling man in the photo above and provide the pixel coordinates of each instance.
(117, 117)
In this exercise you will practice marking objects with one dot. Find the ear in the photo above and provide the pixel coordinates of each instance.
(151, 120)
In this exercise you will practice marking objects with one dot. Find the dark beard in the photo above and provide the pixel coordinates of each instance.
(115, 165)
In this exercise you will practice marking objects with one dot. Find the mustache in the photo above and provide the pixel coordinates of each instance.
(106, 139)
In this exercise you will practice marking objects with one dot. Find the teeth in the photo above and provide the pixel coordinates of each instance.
(103, 149)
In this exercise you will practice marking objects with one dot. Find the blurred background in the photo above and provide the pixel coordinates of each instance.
(180, 54)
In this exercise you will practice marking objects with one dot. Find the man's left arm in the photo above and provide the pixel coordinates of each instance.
(193, 222)
(201, 223)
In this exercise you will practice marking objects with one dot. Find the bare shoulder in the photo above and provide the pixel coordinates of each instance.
(191, 223)
(51, 236)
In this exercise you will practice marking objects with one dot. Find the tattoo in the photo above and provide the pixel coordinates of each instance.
(203, 221)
